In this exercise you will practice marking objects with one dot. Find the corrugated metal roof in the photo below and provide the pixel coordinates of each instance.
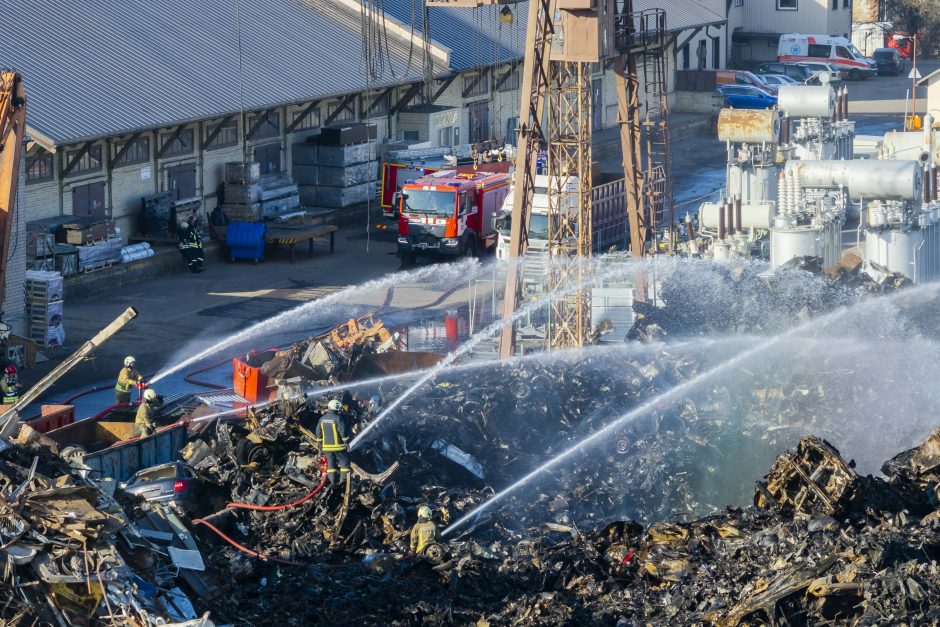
(102, 67)
(477, 37)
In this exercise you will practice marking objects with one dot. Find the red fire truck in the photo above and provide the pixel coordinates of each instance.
(450, 213)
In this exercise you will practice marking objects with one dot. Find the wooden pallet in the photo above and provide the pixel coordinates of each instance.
(103, 266)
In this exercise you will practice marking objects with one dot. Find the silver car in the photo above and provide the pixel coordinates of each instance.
(175, 483)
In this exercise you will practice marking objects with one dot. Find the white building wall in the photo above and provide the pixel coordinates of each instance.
(14, 296)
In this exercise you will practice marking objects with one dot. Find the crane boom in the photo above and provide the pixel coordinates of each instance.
(12, 134)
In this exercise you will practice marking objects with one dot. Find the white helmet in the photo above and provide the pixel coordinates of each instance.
(150, 394)
(334, 405)
(130, 361)
(424, 512)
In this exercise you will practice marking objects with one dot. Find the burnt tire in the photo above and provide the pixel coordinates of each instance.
(247, 452)
(855, 75)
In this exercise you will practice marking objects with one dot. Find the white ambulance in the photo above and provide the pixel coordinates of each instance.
(836, 51)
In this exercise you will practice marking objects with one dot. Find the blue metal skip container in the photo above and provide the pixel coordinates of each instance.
(245, 240)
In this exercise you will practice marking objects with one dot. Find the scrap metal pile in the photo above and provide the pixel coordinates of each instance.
(69, 557)
(822, 544)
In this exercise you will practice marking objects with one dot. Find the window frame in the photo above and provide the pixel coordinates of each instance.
(43, 158)
(269, 129)
(482, 87)
(350, 110)
(382, 110)
(94, 154)
(132, 156)
(179, 140)
(216, 145)
(512, 82)
(795, 7)
(311, 121)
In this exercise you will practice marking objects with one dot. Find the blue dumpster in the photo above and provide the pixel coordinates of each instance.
(245, 240)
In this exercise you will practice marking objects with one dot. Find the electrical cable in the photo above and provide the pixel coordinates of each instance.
(244, 549)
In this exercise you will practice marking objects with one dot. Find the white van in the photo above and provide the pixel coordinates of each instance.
(836, 51)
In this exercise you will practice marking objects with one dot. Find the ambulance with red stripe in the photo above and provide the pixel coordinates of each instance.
(450, 213)
(836, 51)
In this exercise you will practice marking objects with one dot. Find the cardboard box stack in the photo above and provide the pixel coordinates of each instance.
(44, 306)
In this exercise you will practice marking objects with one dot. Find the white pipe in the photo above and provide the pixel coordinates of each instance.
(886, 179)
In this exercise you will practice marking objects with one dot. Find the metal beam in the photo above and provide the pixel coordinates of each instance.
(483, 74)
(261, 121)
(336, 112)
(532, 94)
(377, 100)
(217, 129)
(440, 92)
(170, 140)
(123, 151)
(303, 116)
(405, 100)
(74, 161)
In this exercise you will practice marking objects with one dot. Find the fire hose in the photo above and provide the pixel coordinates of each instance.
(278, 508)
(244, 549)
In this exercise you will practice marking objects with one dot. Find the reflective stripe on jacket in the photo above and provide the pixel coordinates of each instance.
(10, 392)
(126, 380)
(331, 433)
(144, 418)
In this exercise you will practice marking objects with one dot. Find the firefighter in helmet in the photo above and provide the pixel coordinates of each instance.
(144, 423)
(10, 386)
(333, 438)
(424, 531)
(127, 379)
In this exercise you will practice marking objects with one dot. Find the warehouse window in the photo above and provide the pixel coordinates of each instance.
(510, 81)
(90, 161)
(181, 144)
(376, 105)
(311, 120)
(227, 135)
(267, 124)
(410, 136)
(40, 166)
(476, 84)
(787, 5)
(347, 113)
(137, 152)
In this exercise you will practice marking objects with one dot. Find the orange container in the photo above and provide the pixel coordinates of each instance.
(53, 417)
(249, 382)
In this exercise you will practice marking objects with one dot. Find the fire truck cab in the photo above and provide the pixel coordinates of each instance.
(450, 213)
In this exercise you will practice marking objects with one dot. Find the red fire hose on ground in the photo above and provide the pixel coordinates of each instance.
(279, 508)
(244, 549)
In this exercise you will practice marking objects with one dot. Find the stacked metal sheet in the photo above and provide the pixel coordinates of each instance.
(339, 170)
(100, 254)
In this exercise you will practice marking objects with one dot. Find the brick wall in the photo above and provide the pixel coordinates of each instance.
(14, 299)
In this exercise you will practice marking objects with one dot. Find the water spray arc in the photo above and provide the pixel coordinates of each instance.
(468, 268)
(485, 334)
(673, 394)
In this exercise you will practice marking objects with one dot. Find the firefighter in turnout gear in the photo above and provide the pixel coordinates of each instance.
(424, 532)
(190, 244)
(10, 386)
(144, 424)
(127, 379)
(332, 437)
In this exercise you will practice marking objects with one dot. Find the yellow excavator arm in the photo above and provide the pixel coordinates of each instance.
(12, 133)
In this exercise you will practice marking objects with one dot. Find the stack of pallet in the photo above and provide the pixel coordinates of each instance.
(43, 252)
(242, 193)
(338, 168)
(44, 307)
(40, 250)
(155, 212)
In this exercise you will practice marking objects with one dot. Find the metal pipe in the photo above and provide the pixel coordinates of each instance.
(721, 222)
(7, 419)
(737, 213)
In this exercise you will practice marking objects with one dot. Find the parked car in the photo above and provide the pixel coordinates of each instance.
(796, 71)
(747, 97)
(835, 76)
(741, 77)
(889, 61)
(777, 80)
(175, 483)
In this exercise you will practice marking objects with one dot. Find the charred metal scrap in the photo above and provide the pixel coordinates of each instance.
(822, 544)
(69, 555)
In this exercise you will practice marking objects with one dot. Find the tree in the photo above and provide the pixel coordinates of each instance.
(916, 16)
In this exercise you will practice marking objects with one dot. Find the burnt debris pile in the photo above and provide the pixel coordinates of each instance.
(822, 542)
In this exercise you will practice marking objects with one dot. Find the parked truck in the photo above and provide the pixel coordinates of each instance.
(450, 213)
(608, 217)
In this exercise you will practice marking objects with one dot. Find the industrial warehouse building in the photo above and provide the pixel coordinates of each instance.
(130, 99)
